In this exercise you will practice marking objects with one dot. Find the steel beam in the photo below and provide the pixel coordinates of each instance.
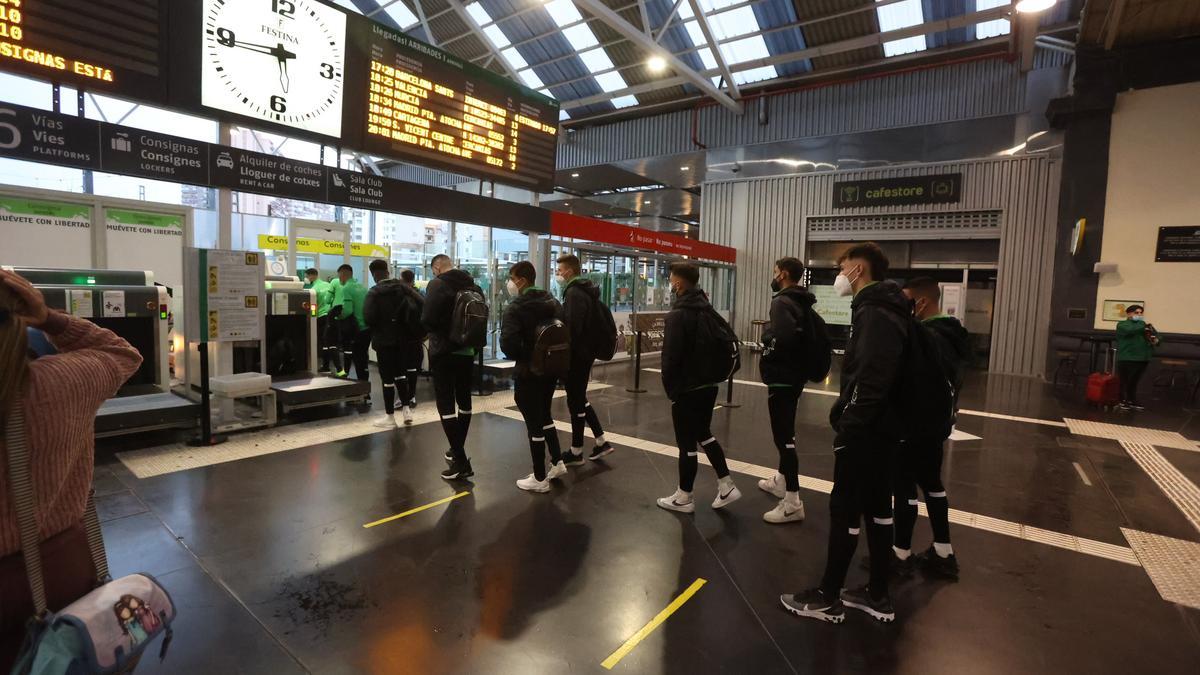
(614, 21)
(670, 18)
(461, 11)
(425, 23)
(715, 48)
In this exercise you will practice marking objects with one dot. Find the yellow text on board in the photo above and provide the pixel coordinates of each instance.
(272, 242)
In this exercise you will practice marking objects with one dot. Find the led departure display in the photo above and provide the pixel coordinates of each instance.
(110, 46)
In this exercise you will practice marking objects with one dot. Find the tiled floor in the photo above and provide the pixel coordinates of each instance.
(274, 573)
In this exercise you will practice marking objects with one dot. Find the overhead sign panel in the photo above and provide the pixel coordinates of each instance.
(944, 188)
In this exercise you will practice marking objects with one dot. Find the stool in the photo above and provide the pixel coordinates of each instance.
(1066, 360)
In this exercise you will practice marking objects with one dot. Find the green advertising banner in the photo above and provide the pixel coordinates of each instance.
(43, 233)
(144, 222)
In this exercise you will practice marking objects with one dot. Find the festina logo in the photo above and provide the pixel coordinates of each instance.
(280, 35)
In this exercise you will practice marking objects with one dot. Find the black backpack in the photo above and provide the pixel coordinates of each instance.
(717, 348)
(818, 349)
(551, 349)
(408, 321)
(469, 321)
(926, 391)
(602, 331)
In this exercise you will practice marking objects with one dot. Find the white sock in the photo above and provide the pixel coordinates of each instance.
(792, 498)
(902, 553)
(682, 497)
(576, 451)
(943, 550)
(600, 440)
(725, 483)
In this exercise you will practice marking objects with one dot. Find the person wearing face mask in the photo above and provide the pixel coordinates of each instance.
(348, 301)
(868, 426)
(529, 308)
(920, 463)
(579, 298)
(783, 370)
(692, 393)
(1136, 341)
(451, 364)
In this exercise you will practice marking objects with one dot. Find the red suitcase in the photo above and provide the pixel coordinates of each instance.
(1103, 389)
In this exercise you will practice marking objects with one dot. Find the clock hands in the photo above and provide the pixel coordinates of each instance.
(278, 51)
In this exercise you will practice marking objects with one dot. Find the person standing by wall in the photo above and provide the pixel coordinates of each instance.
(579, 298)
(869, 428)
(529, 309)
(692, 390)
(324, 295)
(784, 371)
(1136, 341)
(392, 312)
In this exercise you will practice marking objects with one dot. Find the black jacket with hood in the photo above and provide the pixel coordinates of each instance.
(679, 371)
(518, 329)
(954, 347)
(383, 309)
(867, 413)
(439, 308)
(577, 303)
(783, 340)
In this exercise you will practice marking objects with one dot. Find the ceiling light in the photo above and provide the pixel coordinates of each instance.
(1031, 6)
(656, 64)
(647, 202)
(685, 168)
(574, 175)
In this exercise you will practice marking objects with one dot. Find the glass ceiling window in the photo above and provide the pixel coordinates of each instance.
(730, 24)
(902, 15)
(992, 28)
(400, 13)
(580, 35)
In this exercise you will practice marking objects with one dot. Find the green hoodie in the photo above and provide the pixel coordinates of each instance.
(351, 296)
(1132, 343)
(324, 292)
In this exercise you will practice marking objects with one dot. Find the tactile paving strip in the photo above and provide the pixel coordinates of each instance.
(174, 457)
(966, 519)
(1120, 432)
(1182, 492)
(1173, 565)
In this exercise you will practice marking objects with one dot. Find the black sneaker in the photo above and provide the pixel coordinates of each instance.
(814, 605)
(600, 451)
(458, 471)
(901, 569)
(935, 565)
(571, 459)
(449, 456)
(860, 599)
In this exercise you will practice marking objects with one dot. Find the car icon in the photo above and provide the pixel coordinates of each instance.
(224, 161)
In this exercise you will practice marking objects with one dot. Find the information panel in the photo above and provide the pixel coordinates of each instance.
(111, 46)
(429, 107)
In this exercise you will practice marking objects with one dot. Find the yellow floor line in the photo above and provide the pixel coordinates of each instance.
(419, 509)
(646, 630)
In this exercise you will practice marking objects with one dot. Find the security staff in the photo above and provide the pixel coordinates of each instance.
(324, 293)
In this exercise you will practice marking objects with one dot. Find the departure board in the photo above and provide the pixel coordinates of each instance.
(428, 107)
(111, 46)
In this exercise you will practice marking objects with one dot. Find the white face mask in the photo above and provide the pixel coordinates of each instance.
(512, 288)
(842, 285)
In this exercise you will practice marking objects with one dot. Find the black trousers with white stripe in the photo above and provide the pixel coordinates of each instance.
(534, 396)
(692, 414)
(862, 493)
(919, 464)
(781, 404)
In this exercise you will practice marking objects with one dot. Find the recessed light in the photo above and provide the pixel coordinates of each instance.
(1031, 6)
(656, 64)
(574, 175)
(685, 168)
(647, 202)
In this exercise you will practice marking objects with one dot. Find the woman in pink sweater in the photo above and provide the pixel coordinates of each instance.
(61, 394)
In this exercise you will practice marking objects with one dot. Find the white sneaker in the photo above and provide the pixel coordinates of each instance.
(726, 495)
(785, 512)
(407, 413)
(530, 483)
(773, 486)
(680, 501)
(385, 422)
(556, 471)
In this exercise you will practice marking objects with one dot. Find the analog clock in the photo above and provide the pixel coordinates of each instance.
(281, 61)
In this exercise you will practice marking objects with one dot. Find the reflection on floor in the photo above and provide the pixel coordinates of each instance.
(273, 570)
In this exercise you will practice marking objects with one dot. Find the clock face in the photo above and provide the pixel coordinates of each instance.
(281, 61)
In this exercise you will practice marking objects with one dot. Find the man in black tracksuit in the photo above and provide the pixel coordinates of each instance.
(920, 463)
(529, 308)
(784, 371)
(412, 353)
(389, 305)
(450, 363)
(579, 299)
(691, 393)
(869, 428)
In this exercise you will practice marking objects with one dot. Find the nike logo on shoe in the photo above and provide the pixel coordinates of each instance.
(726, 495)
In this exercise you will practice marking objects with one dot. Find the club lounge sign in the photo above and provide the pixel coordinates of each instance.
(943, 188)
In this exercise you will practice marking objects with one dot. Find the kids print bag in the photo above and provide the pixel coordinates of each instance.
(105, 631)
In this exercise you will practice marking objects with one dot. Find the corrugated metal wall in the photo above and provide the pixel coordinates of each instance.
(764, 219)
(955, 92)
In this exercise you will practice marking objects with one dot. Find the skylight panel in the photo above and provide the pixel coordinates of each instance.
(514, 57)
(588, 48)
(740, 21)
(596, 60)
(992, 28)
(611, 81)
(581, 37)
(500, 41)
(563, 12)
(624, 101)
(497, 36)
(901, 15)
(531, 79)
(563, 116)
(402, 15)
(478, 13)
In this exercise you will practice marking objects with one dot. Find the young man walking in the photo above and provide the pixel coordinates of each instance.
(580, 297)
(324, 295)
(348, 300)
(450, 363)
(529, 309)
(412, 354)
(692, 390)
(920, 462)
(393, 314)
(783, 370)
(869, 427)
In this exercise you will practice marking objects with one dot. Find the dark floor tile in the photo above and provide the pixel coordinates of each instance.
(140, 543)
(118, 505)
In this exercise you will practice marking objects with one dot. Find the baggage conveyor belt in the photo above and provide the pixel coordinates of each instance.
(145, 412)
(309, 391)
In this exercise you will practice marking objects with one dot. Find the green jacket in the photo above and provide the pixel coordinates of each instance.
(1132, 343)
(351, 296)
(324, 292)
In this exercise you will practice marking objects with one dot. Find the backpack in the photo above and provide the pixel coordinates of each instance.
(818, 350)
(469, 320)
(408, 321)
(551, 349)
(717, 347)
(602, 331)
(926, 390)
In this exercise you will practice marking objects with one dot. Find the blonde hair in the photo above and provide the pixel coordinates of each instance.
(14, 357)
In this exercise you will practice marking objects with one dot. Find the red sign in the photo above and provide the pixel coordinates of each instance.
(602, 231)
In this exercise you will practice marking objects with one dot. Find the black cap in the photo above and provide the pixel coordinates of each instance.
(1133, 308)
